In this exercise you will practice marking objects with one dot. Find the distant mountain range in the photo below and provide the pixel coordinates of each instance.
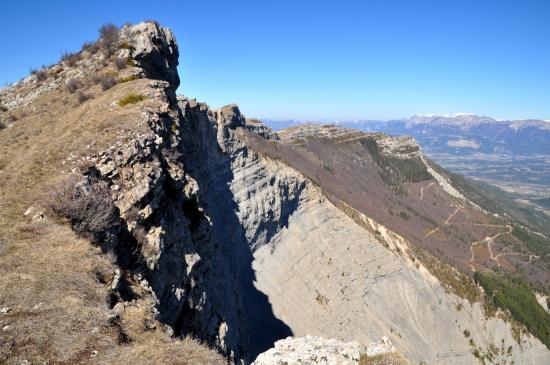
(460, 133)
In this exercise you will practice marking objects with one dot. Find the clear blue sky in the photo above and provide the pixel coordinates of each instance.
(321, 59)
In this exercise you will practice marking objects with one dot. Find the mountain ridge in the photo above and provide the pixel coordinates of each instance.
(212, 222)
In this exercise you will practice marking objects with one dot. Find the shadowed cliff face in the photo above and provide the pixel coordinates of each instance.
(210, 154)
(178, 201)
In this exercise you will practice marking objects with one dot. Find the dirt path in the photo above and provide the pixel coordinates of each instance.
(351, 139)
(447, 221)
(425, 187)
(489, 241)
(531, 256)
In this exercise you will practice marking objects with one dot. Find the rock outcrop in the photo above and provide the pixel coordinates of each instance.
(312, 350)
(155, 51)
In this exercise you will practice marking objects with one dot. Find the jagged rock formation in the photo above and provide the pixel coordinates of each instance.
(216, 235)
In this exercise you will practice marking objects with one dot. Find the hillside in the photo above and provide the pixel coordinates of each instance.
(143, 227)
(510, 154)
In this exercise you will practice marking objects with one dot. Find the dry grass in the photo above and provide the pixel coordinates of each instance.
(386, 359)
(165, 351)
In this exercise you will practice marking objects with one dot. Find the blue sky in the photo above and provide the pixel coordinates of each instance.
(321, 60)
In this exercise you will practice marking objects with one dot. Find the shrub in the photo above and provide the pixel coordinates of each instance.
(121, 62)
(87, 204)
(10, 119)
(70, 59)
(131, 99)
(3, 108)
(81, 97)
(514, 295)
(2, 126)
(40, 74)
(72, 85)
(108, 34)
(327, 167)
(91, 47)
(538, 244)
(107, 82)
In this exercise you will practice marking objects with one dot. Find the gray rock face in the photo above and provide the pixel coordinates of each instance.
(155, 50)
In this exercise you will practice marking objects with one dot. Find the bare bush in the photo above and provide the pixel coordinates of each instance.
(40, 74)
(91, 47)
(108, 35)
(120, 62)
(107, 82)
(2, 126)
(72, 85)
(3, 108)
(96, 78)
(71, 59)
(82, 97)
(10, 119)
(87, 204)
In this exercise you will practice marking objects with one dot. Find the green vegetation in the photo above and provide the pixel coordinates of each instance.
(514, 295)
(395, 171)
(327, 167)
(127, 79)
(131, 99)
(404, 216)
(538, 244)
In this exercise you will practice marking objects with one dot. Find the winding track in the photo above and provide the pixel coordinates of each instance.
(489, 241)
(424, 187)
(447, 221)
